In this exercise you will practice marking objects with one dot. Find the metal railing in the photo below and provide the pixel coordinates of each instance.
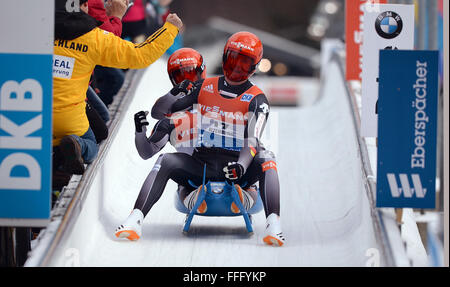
(367, 173)
(69, 205)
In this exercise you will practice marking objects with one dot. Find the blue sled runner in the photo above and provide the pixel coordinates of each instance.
(218, 197)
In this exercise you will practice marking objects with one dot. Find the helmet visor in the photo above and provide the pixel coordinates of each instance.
(185, 73)
(237, 67)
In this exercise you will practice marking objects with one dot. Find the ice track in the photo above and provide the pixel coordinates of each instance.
(324, 207)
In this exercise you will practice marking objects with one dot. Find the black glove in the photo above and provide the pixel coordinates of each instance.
(140, 120)
(233, 171)
(183, 87)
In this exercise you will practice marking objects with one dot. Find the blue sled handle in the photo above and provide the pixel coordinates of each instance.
(201, 197)
(237, 200)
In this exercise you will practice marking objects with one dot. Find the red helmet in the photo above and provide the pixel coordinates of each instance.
(185, 63)
(241, 54)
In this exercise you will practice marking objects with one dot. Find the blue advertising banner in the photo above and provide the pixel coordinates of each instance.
(407, 128)
(25, 138)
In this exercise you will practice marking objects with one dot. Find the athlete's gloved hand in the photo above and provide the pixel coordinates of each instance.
(233, 171)
(140, 120)
(183, 87)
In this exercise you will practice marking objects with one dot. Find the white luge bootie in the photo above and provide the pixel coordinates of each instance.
(132, 227)
(273, 234)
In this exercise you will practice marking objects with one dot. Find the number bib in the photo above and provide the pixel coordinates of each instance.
(222, 122)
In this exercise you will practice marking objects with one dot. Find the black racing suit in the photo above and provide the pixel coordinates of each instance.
(181, 167)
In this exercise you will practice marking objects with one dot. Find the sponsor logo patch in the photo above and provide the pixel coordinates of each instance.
(209, 88)
(63, 67)
(269, 165)
(389, 25)
(246, 97)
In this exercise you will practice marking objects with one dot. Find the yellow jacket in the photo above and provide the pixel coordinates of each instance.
(74, 61)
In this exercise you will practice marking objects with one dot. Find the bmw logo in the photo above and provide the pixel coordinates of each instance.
(389, 25)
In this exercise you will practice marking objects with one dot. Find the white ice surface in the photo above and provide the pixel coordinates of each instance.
(324, 209)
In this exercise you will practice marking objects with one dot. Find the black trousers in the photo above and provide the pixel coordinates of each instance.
(181, 167)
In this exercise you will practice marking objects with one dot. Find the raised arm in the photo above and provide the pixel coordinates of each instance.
(189, 100)
(163, 105)
(112, 51)
(148, 147)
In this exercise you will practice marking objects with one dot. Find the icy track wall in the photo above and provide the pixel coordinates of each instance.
(326, 213)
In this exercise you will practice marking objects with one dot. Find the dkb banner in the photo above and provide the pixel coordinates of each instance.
(407, 124)
(26, 57)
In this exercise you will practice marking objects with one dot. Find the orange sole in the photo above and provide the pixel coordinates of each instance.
(270, 240)
(202, 208)
(128, 234)
(234, 208)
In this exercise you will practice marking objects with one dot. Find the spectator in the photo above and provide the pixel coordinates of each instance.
(108, 80)
(110, 14)
(134, 23)
(96, 122)
(96, 111)
(79, 46)
(97, 104)
(157, 11)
